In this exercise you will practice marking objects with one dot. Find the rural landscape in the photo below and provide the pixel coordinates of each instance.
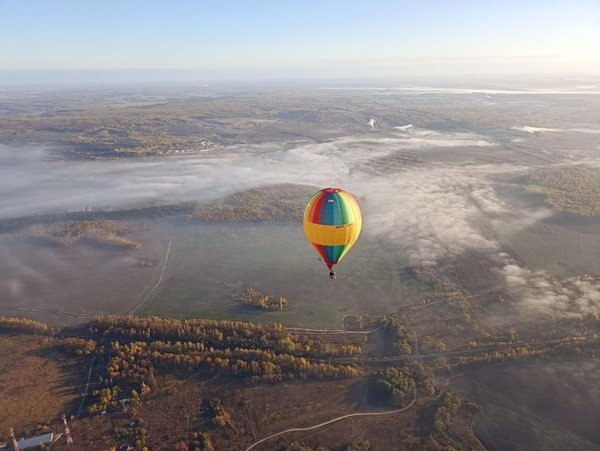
(158, 290)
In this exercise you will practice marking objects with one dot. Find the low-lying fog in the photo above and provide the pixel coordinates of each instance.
(450, 200)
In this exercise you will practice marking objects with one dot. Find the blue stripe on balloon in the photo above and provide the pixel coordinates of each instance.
(331, 213)
(330, 209)
(333, 252)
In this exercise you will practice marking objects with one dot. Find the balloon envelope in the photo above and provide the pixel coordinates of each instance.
(332, 223)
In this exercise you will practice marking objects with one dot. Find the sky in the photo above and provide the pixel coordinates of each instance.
(254, 39)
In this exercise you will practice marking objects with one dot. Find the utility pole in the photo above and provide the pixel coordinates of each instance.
(14, 440)
(145, 389)
(67, 430)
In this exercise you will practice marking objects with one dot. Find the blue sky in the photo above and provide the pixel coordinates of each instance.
(303, 38)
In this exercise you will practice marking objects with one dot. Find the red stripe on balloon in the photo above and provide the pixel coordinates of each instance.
(322, 253)
(315, 214)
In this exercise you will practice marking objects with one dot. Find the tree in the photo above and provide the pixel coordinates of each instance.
(392, 384)
(398, 335)
(206, 442)
(283, 303)
(287, 345)
(221, 417)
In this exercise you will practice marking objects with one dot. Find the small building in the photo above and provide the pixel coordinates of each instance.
(32, 442)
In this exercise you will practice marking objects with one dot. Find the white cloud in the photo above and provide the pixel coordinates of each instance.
(427, 212)
(531, 130)
(538, 293)
(585, 90)
(432, 213)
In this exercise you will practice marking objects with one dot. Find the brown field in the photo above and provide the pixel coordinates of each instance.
(179, 408)
(474, 271)
(516, 405)
(94, 433)
(37, 382)
(258, 411)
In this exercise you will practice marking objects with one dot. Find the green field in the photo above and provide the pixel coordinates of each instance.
(209, 261)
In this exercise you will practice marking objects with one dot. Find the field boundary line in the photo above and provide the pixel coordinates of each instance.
(44, 310)
(87, 386)
(160, 278)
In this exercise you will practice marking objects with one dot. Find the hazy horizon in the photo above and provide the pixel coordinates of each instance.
(11, 79)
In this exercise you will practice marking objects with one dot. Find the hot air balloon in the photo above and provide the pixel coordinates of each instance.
(332, 223)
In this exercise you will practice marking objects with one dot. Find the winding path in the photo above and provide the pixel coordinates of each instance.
(334, 331)
(358, 414)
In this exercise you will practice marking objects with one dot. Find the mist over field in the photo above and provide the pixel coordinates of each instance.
(425, 192)
(41, 181)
